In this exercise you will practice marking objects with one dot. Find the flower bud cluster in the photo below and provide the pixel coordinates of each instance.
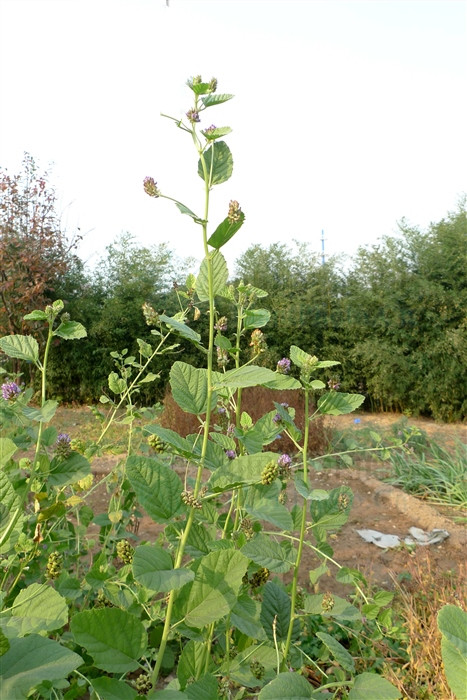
(150, 187)
(143, 684)
(343, 501)
(189, 499)
(327, 603)
(150, 316)
(235, 212)
(259, 577)
(269, 473)
(192, 116)
(102, 601)
(257, 669)
(221, 324)
(231, 454)
(223, 358)
(157, 444)
(54, 565)
(247, 528)
(258, 342)
(125, 551)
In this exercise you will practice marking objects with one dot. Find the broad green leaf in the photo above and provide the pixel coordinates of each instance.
(31, 660)
(36, 316)
(114, 638)
(245, 617)
(9, 511)
(68, 471)
(225, 231)
(287, 686)
(219, 163)
(455, 667)
(335, 403)
(70, 330)
(37, 608)
(238, 668)
(7, 450)
(191, 662)
(23, 347)
(332, 513)
(43, 414)
(257, 318)
(220, 275)
(117, 384)
(113, 689)
(184, 210)
(144, 348)
(262, 502)
(452, 623)
(149, 377)
(215, 99)
(157, 487)
(309, 494)
(369, 685)
(341, 608)
(206, 688)
(266, 552)
(252, 375)
(243, 470)
(49, 436)
(153, 568)
(167, 694)
(299, 357)
(4, 643)
(275, 613)
(213, 134)
(190, 388)
(214, 592)
(177, 444)
(341, 654)
(182, 329)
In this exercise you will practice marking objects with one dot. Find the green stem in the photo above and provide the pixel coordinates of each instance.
(298, 559)
(186, 532)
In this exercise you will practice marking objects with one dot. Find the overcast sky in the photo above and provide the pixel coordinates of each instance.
(347, 115)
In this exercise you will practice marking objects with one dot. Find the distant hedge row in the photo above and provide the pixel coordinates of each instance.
(394, 315)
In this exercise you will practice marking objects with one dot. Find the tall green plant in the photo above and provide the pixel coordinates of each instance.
(201, 600)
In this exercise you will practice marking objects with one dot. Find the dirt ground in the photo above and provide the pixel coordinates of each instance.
(376, 506)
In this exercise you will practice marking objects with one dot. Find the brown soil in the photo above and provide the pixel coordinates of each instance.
(376, 506)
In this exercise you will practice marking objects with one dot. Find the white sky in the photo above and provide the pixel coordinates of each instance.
(348, 115)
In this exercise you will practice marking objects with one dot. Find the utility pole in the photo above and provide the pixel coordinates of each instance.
(323, 257)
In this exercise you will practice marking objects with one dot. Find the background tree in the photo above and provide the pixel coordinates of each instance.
(34, 251)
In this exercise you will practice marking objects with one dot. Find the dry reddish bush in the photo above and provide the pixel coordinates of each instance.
(256, 401)
(418, 601)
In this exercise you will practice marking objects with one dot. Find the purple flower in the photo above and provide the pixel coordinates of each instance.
(285, 404)
(283, 366)
(150, 187)
(62, 445)
(333, 385)
(284, 460)
(231, 454)
(192, 115)
(10, 390)
(221, 410)
(277, 418)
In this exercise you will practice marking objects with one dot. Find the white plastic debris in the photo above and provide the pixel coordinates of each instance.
(416, 536)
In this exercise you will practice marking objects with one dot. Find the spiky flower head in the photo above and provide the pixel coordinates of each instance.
(10, 390)
(343, 501)
(285, 466)
(158, 445)
(212, 85)
(143, 684)
(63, 445)
(283, 366)
(221, 324)
(231, 454)
(150, 187)
(327, 603)
(222, 357)
(333, 384)
(257, 669)
(209, 130)
(258, 342)
(150, 315)
(235, 212)
(192, 116)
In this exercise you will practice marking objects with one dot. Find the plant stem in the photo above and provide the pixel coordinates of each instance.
(298, 559)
